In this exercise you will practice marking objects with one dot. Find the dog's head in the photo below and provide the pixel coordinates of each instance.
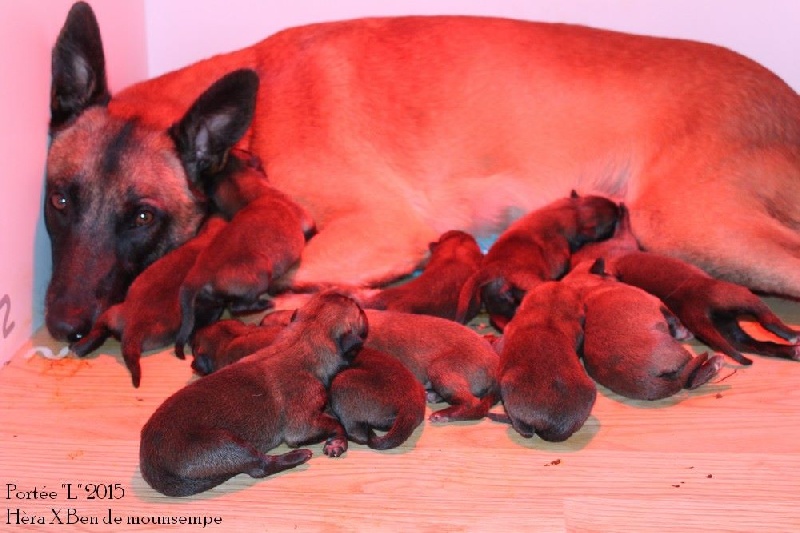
(118, 193)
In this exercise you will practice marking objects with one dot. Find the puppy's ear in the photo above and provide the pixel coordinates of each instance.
(349, 344)
(78, 68)
(599, 267)
(215, 123)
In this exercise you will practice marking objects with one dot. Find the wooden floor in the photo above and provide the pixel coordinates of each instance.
(725, 457)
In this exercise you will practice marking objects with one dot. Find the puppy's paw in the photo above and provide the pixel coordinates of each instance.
(335, 446)
(440, 417)
(432, 396)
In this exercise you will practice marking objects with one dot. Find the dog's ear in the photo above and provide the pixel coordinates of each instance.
(215, 122)
(78, 68)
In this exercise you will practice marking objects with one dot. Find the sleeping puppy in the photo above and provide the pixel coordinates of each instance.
(377, 392)
(262, 241)
(543, 385)
(223, 424)
(535, 248)
(709, 307)
(225, 341)
(452, 362)
(149, 317)
(631, 340)
(454, 258)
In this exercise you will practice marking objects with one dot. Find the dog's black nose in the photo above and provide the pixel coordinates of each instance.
(70, 328)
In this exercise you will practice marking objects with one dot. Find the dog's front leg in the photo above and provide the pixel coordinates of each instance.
(321, 426)
(362, 249)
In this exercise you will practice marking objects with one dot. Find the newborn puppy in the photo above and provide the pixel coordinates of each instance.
(149, 317)
(223, 425)
(543, 384)
(709, 307)
(262, 241)
(454, 258)
(450, 360)
(631, 340)
(377, 392)
(535, 248)
(226, 341)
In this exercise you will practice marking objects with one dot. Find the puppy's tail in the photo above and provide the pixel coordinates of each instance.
(404, 425)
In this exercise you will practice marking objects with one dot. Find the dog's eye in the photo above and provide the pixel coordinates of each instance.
(143, 217)
(58, 200)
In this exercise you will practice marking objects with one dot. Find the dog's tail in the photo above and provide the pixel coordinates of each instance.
(404, 425)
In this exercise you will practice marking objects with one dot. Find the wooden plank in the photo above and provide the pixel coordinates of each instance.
(725, 457)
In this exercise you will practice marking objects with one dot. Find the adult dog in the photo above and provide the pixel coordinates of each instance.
(391, 131)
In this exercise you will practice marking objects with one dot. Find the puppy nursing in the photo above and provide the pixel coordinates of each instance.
(543, 384)
(631, 340)
(534, 249)
(454, 258)
(223, 424)
(710, 308)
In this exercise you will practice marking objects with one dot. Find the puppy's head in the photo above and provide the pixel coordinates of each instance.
(339, 318)
(456, 243)
(596, 219)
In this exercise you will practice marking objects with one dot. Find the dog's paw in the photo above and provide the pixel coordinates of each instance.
(335, 447)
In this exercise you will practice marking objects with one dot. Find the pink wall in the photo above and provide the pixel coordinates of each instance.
(28, 32)
(183, 31)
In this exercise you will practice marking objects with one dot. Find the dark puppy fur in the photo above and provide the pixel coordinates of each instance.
(709, 307)
(150, 315)
(543, 384)
(535, 248)
(451, 361)
(620, 243)
(226, 341)
(223, 424)
(631, 340)
(259, 245)
(454, 258)
(377, 392)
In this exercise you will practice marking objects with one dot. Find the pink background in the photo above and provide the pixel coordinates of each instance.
(148, 37)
